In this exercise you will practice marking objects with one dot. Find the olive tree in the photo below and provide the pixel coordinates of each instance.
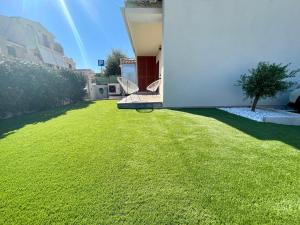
(266, 80)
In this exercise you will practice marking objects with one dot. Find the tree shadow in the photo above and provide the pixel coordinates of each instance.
(10, 126)
(262, 131)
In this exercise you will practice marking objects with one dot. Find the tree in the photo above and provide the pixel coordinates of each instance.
(266, 81)
(74, 84)
(113, 63)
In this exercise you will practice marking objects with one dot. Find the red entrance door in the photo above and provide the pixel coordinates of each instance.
(147, 71)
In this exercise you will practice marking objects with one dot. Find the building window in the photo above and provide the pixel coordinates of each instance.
(46, 41)
(38, 55)
(11, 51)
(57, 47)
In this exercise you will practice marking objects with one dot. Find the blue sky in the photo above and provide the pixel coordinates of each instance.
(87, 29)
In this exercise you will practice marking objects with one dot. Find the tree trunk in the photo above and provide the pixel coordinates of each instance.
(255, 103)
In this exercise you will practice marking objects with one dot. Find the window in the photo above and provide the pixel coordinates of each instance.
(11, 51)
(57, 47)
(46, 41)
(38, 55)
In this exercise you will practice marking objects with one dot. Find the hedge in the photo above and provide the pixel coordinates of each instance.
(27, 87)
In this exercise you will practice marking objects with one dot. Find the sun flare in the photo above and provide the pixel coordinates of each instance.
(75, 31)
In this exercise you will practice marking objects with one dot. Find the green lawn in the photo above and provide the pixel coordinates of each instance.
(95, 164)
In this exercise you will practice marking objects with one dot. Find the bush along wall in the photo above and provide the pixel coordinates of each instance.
(27, 87)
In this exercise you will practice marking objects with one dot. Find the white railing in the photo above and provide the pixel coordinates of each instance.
(143, 3)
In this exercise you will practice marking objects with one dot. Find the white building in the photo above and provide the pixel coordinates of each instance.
(200, 48)
(30, 41)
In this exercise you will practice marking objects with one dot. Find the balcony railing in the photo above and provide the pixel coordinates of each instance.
(143, 3)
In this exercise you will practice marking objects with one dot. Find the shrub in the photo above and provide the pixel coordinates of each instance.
(74, 84)
(26, 87)
(266, 81)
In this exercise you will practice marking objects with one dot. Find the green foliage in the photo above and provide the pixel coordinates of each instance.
(113, 63)
(74, 84)
(266, 81)
(26, 87)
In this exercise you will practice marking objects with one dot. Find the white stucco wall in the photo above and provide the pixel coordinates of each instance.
(208, 44)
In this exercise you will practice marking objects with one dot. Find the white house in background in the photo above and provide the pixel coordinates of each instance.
(30, 41)
(201, 47)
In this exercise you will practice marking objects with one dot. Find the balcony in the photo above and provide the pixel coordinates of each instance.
(143, 3)
(144, 25)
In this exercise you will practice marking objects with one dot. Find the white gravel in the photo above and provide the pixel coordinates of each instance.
(259, 115)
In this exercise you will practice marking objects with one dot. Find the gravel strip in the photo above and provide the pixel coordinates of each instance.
(259, 115)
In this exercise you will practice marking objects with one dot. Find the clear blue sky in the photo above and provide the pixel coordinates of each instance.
(97, 25)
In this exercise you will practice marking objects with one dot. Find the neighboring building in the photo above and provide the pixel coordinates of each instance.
(29, 40)
(100, 87)
(200, 48)
(88, 73)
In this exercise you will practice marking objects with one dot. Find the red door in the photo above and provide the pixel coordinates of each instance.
(147, 71)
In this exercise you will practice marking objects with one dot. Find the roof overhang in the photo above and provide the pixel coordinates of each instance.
(144, 27)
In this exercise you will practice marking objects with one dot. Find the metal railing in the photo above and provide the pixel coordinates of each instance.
(143, 3)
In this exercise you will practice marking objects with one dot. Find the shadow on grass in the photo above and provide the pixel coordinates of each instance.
(144, 110)
(262, 131)
(9, 126)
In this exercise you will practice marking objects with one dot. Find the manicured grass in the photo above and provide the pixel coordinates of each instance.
(95, 164)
